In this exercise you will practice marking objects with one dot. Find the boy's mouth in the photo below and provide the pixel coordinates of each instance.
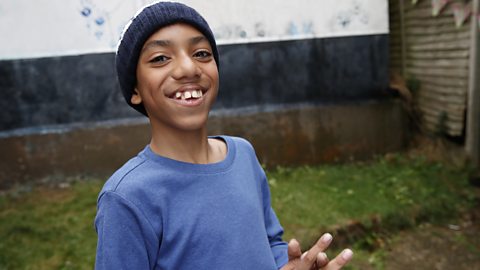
(187, 94)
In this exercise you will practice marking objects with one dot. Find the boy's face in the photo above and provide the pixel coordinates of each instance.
(177, 78)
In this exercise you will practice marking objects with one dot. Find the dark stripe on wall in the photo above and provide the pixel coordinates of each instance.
(62, 90)
(319, 70)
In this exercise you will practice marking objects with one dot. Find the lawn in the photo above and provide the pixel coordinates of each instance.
(396, 192)
(52, 228)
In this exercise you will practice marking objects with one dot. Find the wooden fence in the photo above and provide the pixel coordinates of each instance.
(432, 52)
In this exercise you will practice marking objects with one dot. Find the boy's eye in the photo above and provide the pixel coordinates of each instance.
(203, 54)
(159, 59)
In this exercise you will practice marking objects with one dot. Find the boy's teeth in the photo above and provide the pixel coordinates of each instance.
(189, 94)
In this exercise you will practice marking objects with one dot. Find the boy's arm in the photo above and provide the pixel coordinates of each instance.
(274, 229)
(275, 232)
(126, 239)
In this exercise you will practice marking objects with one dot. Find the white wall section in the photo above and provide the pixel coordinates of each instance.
(44, 28)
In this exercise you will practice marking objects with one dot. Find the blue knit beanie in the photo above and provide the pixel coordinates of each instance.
(147, 21)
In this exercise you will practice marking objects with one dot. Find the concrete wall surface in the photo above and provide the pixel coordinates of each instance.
(83, 88)
(298, 134)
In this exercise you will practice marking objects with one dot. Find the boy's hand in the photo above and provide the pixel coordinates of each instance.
(315, 258)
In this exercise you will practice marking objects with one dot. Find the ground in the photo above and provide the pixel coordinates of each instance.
(54, 225)
(453, 245)
(436, 247)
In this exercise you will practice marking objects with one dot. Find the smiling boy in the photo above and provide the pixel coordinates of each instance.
(187, 200)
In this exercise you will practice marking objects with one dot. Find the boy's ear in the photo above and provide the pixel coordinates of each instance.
(136, 98)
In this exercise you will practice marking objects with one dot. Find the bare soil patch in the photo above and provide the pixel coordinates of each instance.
(450, 246)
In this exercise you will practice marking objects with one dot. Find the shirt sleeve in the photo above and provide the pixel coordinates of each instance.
(126, 240)
(274, 229)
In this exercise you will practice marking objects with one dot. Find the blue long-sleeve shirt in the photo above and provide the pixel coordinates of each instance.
(158, 213)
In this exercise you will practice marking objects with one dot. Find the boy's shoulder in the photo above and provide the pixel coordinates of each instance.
(240, 142)
(244, 150)
(123, 174)
(238, 147)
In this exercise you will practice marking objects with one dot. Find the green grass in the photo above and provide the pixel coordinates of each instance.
(49, 229)
(53, 228)
(397, 193)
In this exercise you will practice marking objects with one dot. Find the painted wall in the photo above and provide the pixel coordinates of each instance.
(303, 73)
(43, 28)
(58, 64)
(294, 136)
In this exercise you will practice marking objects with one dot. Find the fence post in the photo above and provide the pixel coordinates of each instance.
(403, 38)
(472, 143)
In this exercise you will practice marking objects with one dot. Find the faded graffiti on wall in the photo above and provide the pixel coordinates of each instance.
(88, 26)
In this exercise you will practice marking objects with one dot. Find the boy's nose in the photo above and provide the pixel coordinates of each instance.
(186, 67)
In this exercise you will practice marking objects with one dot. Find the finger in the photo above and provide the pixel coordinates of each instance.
(309, 259)
(322, 260)
(343, 258)
(294, 251)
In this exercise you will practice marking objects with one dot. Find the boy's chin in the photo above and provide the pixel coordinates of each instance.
(188, 124)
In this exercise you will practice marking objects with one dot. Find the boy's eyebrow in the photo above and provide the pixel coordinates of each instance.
(157, 43)
(168, 43)
(196, 40)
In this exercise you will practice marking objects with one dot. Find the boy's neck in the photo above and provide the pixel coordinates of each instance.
(192, 146)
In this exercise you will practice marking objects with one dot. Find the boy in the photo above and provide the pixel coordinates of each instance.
(187, 201)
